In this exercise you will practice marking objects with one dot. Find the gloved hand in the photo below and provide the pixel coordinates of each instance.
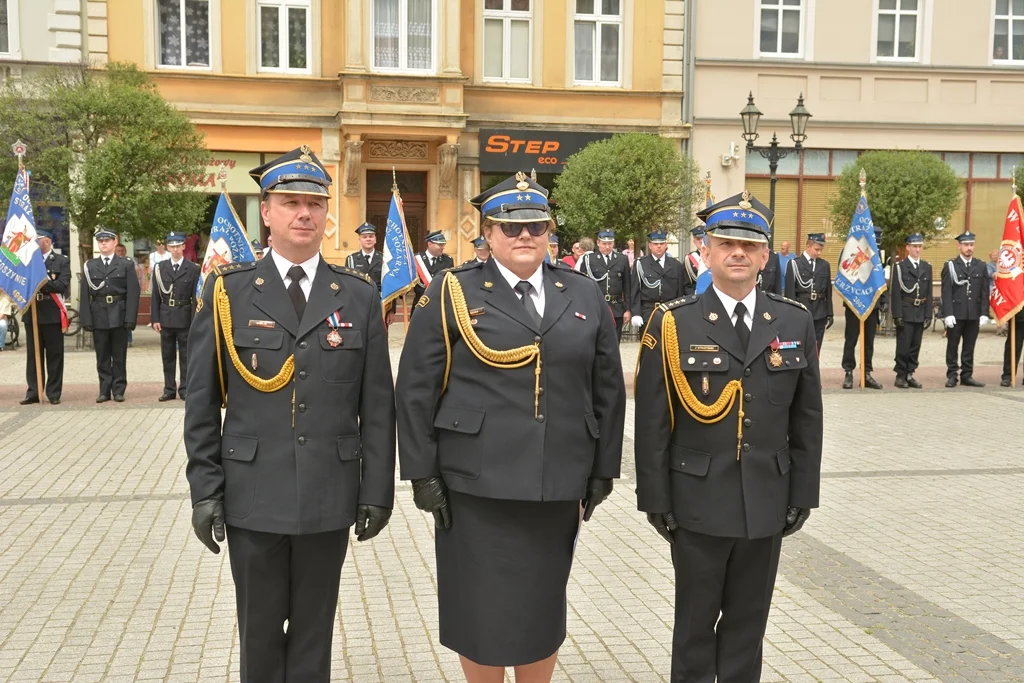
(664, 523)
(950, 321)
(208, 522)
(927, 323)
(597, 491)
(370, 521)
(984, 320)
(129, 326)
(828, 322)
(898, 322)
(431, 495)
(636, 321)
(795, 518)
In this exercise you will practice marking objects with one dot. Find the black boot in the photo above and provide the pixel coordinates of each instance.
(848, 380)
(901, 382)
(870, 382)
(971, 382)
(914, 384)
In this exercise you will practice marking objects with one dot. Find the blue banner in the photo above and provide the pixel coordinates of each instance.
(860, 279)
(703, 281)
(22, 270)
(228, 241)
(398, 273)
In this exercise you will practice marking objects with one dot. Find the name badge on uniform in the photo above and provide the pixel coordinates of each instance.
(262, 323)
(580, 316)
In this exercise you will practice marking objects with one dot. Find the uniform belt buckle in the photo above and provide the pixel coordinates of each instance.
(170, 302)
(110, 299)
(609, 297)
(40, 297)
(814, 296)
(918, 302)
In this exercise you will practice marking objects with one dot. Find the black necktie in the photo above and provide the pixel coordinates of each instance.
(524, 288)
(175, 268)
(106, 260)
(296, 273)
(742, 331)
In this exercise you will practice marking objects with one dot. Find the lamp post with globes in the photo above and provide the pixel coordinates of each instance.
(751, 115)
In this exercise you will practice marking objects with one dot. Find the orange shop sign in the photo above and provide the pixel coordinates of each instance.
(523, 150)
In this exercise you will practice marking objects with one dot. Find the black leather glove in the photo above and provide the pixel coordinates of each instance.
(597, 491)
(664, 523)
(795, 518)
(129, 326)
(370, 521)
(431, 495)
(828, 322)
(208, 522)
(898, 322)
(927, 323)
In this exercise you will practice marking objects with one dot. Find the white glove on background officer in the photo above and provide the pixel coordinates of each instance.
(636, 321)
(984, 320)
(950, 321)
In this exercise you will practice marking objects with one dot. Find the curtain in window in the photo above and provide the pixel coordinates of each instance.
(519, 50)
(385, 33)
(197, 32)
(585, 50)
(494, 48)
(908, 36)
(169, 16)
(609, 52)
(270, 37)
(296, 38)
(5, 38)
(420, 42)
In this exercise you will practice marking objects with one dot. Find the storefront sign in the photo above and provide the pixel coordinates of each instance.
(237, 165)
(525, 150)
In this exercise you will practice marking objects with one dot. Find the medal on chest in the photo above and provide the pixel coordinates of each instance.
(334, 337)
(775, 358)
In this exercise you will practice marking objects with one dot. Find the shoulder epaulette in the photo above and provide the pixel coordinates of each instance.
(779, 297)
(352, 273)
(236, 267)
(684, 301)
(563, 266)
(468, 265)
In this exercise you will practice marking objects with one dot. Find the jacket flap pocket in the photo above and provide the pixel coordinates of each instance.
(592, 425)
(349, 447)
(258, 338)
(690, 461)
(462, 420)
(785, 359)
(241, 448)
(340, 339)
(705, 361)
(784, 460)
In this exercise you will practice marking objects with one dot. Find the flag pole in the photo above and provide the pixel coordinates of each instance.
(19, 150)
(863, 372)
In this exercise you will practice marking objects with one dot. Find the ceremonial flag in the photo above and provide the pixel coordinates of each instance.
(228, 242)
(397, 273)
(22, 270)
(1007, 295)
(703, 280)
(703, 273)
(861, 279)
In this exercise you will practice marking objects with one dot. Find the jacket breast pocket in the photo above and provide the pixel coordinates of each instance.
(459, 450)
(340, 357)
(260, 349)
(783, 374)
(237, 454)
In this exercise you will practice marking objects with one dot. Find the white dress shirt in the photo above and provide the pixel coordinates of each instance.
(175, 264)
(810, 260)
(749, 301)
(967, 262)
(537, 280)
(309, 266)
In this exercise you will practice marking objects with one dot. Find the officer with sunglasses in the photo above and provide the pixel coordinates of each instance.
(505, 472)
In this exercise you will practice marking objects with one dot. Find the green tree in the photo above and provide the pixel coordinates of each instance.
(109, 147)
(631, 183)
(907, 191)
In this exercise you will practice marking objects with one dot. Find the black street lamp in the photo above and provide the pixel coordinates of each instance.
(751, 115)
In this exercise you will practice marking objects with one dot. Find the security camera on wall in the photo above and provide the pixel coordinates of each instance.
(729, 157)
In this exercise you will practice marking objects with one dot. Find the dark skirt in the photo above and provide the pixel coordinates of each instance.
(502, 571)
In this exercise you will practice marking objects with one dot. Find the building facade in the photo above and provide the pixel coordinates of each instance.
(441, 96)
(945, 76)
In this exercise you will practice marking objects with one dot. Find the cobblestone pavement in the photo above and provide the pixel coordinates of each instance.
(910, 571)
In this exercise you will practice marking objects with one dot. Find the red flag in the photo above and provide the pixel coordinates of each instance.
(1007, 296)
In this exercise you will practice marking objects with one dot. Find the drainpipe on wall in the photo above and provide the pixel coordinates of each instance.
(689, 56)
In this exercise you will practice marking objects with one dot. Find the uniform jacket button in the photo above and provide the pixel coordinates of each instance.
(537, 340)
(540, 418)
(302, 407)
(746, 447)
(540, 391)
(302, 441)
(455, 423)
(747, 422)
(303, 345)
(256, 340)
(748, 398)
(746, 372)
(302, 374)
(231, 451)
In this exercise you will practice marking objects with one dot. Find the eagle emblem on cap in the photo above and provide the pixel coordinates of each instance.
(306, 152)
(521, 183)
(745, 202)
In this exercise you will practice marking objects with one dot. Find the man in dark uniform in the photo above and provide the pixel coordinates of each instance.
(173, 305)
(769, 279)
(965, 287)
(430, 262)
(910, 287)
(367, 260)
(257, 249)
(655, 278)
(809, 281)
(481, 252)
(109, 302)
(693, 265)
(49, 306)
(851, 334)
(724, 484)
(297, 355)
(610, 270)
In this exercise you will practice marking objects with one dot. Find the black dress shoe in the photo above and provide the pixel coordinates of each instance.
(166, 396)
(119, 398)
(914, 384)
(181, 395)
(971, 382)
(28, 401)
(102, 399)
(1004, 382)
(848, 381)
(951, 382)
(54, 401)
(901, 382)
(870, 382)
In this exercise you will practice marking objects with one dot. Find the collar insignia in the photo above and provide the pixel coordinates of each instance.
(334, 286)
(259, 281)
(712, 316)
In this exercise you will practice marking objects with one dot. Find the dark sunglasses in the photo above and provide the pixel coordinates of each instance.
(516, 229)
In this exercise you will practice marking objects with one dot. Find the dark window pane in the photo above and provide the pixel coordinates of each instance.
(169, 13)
(1001, 43)
(520, 5)
(610, 53)
(790, 31)
(908, 36)
(494, 4)
(1017, 47)
(584, 6)
(269, 38)
(5, 40)
(296, 38)
(1018, 8)
(610, 7)
(585, 50)
(769, 30)
(197, 32)
(886, 4)
(886, 35)
(1002, 7)
(908, 5)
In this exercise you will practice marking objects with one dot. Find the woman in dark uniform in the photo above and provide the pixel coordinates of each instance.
(511, 410)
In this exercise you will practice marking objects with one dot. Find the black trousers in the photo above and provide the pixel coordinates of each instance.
(731, 578)
(968, 331)
(819, 330)
(908, 347)
(293, 578)
(111, 360)
(51, 350)
(852, 333)
(618, 328)
(171, 339)
(1019, 344)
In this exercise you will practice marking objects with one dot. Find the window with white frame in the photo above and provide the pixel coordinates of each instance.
(284, 30)
(5, 28)
(898, 23)
(598, 41)
(507, 30)
(1008, 38)
(403, 35)
(782, 28)
(184, 32)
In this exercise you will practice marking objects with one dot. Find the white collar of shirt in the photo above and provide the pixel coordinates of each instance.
(913, 261)
(368, 254)
(537, 280)
(47, 254)
(309, 267)
(809, 258)
(749, 301)
(175, 264)
(967, 262)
